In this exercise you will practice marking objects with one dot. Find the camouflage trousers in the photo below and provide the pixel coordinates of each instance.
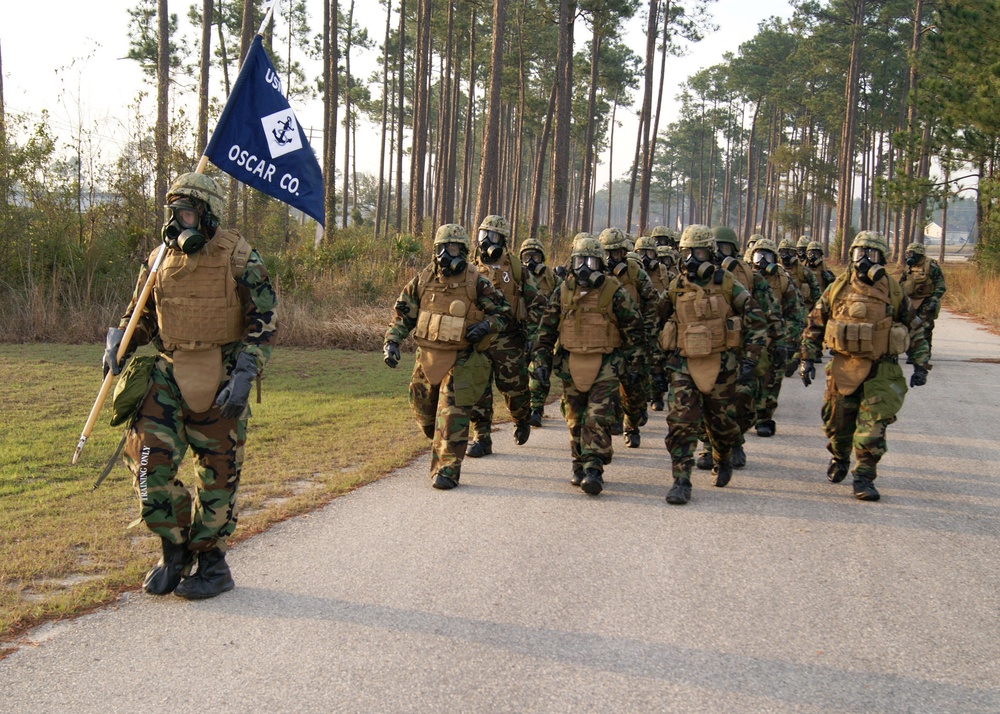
(926, 315)
(539, 391)
(446, 423)
(154, 449)
(658, 373)
(850, 424)
(589, 415)
(509, 360)
(766, 399)
(689, 408)
(741, 410)
(634, 397)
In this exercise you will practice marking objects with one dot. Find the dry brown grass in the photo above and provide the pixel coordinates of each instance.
(973, 293)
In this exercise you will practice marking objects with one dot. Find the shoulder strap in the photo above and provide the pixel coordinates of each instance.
(240, 257)
(515, 269)
(837, 285)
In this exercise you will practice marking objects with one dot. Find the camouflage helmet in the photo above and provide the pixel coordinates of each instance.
(202, 188)
(787, 243)
(451, 233)
(661, 231)
(585, 245)
(663, 251)
(815, 245)
(763, 243)
(871, 239)
(725, 234)
(697, 235)
(754, 238)
(916, 249)
(612, 238)
(532, 244)
(645, 243)
(496, 223)
(803, 242)
(629, 242)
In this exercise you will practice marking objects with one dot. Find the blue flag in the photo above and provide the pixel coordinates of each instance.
(258, 140)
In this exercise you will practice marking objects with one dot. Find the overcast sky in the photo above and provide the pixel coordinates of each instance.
(66, 56)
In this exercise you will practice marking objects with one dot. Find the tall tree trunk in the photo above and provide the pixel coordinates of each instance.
(750, 216)
(348, 118)
(385, 103)
(564, 82)
(401, 88)
(588, 159)
(611, 156)
(467, 136)
(536, 191)
(331, 79)
(206, 62)
(645, 114)
(162, 104)
(649, 148)
(845, 193)
(486, 202)
(421, 117)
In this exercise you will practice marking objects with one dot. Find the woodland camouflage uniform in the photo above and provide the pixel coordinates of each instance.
(814, 261)
(442, 403)
(865, 385)
(548, 282)
(923, 283)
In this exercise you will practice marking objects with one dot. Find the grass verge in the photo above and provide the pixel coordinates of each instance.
(329, 422)
(974, 293)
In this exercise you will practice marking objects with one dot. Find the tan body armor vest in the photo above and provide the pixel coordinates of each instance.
(546, 281)
(197, 306)
(798, 275)
(779, 284)
(743, 272)
(629, 279)
(704, 317)
(918, 284)
(660, 278)
(447, 307)
(507, 277)
(587, 324)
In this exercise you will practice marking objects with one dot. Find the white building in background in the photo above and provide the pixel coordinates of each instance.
(932, 235)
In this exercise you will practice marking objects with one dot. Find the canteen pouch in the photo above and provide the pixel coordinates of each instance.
(697, 341)
(899, 339)
(668, 336)
(734, 332)
(885, 391)
(470, 379)
(131, 389)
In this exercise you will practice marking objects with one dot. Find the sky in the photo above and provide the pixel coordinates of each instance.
(67, 57)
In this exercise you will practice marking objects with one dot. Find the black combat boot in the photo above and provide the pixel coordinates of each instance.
(632, 438)
(656, 405)
(577, 478)
(536, 417)
(593, 482)
(739, 457)
(166, 574)
(443, 482)
(705, 461)
(643, 418)
(680, 492)
(864, 488)
(479, 447)
(521, 433)
(722, 472)
(616, 428)
(428, 430)
(213, 577)
(765, 428)
(837, 470)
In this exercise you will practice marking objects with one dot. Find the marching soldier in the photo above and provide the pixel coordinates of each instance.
(450, 309)
(815, 262)
(532, 256)
(601, 336)
(802, 277)
(867, 320)
(923, 283)
(660, 274)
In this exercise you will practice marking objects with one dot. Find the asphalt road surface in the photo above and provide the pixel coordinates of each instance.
(518, 593)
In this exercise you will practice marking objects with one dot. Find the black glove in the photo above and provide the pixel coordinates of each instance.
(791, 364)
(807, 370)
(748, 372)
(919, 376)
(390, 354)
(234, 396)
(541, 372)
(111, 344)
(477, 331)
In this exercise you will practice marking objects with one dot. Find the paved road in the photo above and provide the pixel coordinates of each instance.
(517, 593)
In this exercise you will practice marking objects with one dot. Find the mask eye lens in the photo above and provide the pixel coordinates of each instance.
(184, 213)
(763, 256)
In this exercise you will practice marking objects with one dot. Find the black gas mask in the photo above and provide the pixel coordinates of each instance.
(617, 261)
(802, 254)
(765, 262)
(697, 262)
(491, 245)
(665, 241)
(534, 261)
(649, 260)
(868, 264)
(913, 259)
(587, 269)
(814, 258)
(788, 257)
(450, 258)
(725, 256)
(181, 222)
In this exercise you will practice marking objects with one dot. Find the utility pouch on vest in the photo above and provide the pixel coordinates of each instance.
(470, 379)
(198, 375)
(697, 341)
(131, 389)
(668, 336)
(734, 332)
(899, 339)
(884, 392)
(447, 329)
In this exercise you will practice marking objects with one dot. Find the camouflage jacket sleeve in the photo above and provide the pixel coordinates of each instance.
(405, 319)
(547, 331)
(764, 296)
(631, 322)
(260, 305)
(937, 277)
(918, 351)
(814, 289)
(535, 301)
(146, 329)
(755, 326)
(812, 335)
(650, 303)
(793, 314)
(499, 313)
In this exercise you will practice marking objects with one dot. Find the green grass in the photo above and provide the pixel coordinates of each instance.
(329, 421)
